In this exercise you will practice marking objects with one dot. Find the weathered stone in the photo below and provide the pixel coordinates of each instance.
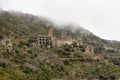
(7, 44)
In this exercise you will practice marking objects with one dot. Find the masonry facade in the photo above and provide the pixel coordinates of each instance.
(52, 42)
(44, 41)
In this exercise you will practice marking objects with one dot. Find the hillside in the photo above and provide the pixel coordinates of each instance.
(22, 60)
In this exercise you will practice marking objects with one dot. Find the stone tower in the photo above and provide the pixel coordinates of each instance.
(50, 33)
(63, 34)
(79, 39)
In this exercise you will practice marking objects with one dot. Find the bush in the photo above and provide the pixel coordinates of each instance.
(4, 62)
(66, 62)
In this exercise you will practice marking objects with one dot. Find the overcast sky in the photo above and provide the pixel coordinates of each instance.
(102, 17)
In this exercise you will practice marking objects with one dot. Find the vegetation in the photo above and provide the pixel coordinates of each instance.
(27, 62)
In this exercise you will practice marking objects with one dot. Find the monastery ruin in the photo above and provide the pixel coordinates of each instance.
(52, 42)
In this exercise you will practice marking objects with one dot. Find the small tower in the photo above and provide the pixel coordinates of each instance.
(50, 33)
(63, 35)
(79, 39)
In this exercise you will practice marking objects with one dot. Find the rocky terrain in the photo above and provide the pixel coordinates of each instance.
(20, 59)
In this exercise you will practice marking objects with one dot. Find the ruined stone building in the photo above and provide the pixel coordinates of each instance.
(46, 40)
(67, 39)
(50, 41)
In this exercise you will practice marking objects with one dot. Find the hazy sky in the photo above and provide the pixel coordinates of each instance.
(102, 17)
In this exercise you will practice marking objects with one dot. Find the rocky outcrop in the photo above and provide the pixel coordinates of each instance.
(7, 44)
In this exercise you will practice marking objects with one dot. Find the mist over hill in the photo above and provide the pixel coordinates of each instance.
(26, 61)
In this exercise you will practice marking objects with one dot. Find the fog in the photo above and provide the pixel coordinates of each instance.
(99, 16)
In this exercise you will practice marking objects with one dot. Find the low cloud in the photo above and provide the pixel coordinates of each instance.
(99, 16)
